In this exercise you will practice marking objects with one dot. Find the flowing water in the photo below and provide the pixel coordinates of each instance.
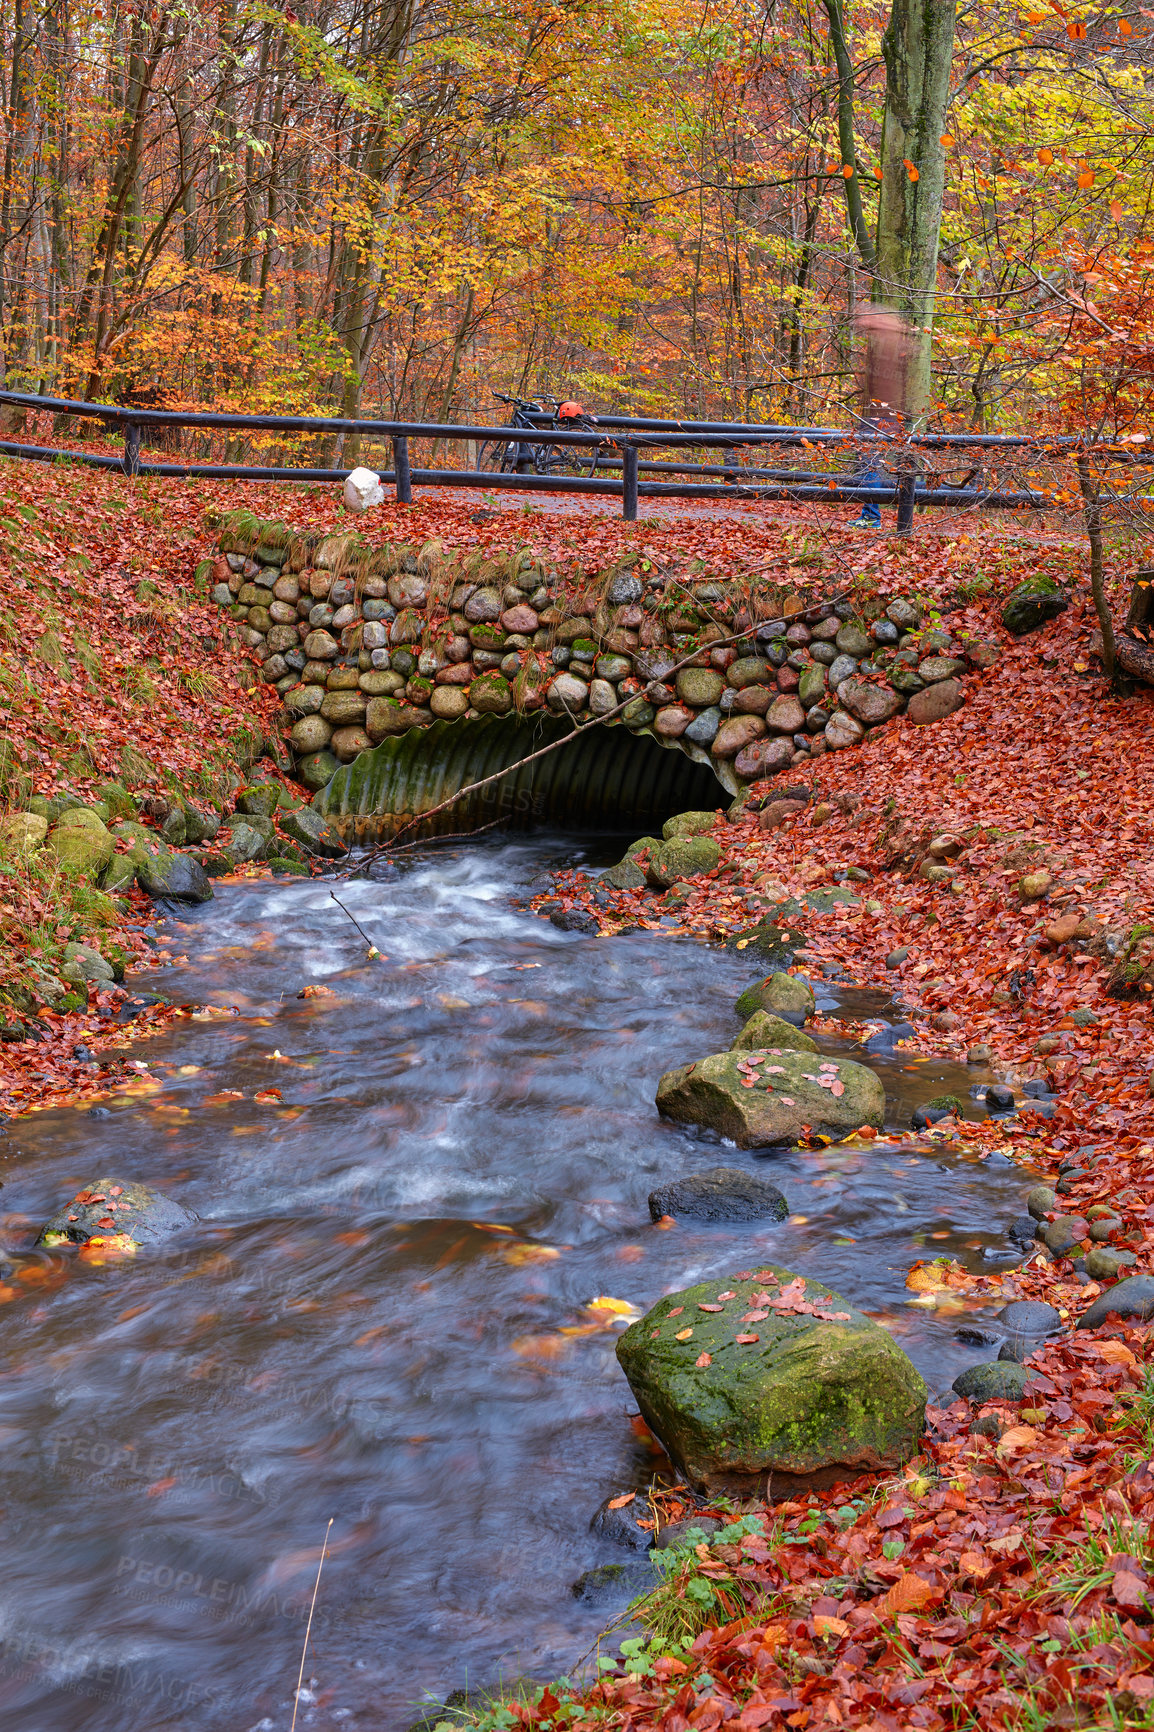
(370, 1322)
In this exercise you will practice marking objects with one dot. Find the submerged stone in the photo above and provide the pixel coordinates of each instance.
(753, 1395)
(614, 1584)
(719, 1194)
(109, 1206)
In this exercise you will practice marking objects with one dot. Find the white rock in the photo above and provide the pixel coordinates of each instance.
(362, 490)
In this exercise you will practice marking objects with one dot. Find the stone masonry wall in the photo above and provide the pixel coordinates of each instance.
(367, 641)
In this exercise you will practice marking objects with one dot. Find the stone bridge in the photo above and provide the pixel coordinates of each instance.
(409, 673)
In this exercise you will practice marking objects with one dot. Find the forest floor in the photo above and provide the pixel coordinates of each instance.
(1005, 1578)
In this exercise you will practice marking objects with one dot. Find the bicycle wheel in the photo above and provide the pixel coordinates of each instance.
(560, 460)
(496, 457)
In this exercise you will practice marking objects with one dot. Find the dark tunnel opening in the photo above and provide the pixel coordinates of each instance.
(604, 779)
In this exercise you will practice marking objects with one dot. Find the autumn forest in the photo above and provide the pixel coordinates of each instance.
(671, 208)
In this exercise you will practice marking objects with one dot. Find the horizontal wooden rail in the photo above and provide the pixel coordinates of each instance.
(626, 436)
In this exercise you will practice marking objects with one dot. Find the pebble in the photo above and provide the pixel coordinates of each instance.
(898, 956)
(1133, 1297)
(1104, 1265)
(995, 1380)
(1040, 1201)
(619, 1526)
(1062, 1234)
(999, 1098)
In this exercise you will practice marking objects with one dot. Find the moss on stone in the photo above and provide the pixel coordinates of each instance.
(809, 1394)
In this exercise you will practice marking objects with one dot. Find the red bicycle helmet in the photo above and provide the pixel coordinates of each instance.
(570, 411)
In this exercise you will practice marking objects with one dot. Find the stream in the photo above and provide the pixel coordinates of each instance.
(369, 1323)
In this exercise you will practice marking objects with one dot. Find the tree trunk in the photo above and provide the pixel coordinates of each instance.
(845, 129)
(918, 49)
(1093, 505)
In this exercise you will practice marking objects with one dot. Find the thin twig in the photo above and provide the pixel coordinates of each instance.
(354, 920)
(555, 745)
(312, 1607)
(424, 842)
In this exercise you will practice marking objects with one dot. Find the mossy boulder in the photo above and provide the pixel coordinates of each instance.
(816, 1395)
(785, 995)
(626, 875)
(1032, 603)
(109, 1206)
(766, 1030)
(765, 1099)
(119, 875)
(81, 842)
(491, 695)
(993, 1380)
(83, 965)
(175, 877)
(314, 833)
(120, 803)
(260, 800)
(248, 840)
(24, 831)
(317, 770)
(774, 939)
(682, 857)
(688, 824)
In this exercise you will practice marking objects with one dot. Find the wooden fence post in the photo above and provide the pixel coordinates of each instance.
(401, 469)
(130, 462)
(629, 483)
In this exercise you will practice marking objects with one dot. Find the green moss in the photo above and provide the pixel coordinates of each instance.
(808, 1393)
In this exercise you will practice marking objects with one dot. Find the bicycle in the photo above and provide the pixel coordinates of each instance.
(537, 456)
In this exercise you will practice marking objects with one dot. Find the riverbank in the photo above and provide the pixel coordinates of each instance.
(996, 873)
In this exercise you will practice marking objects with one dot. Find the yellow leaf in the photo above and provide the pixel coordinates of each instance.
(525, 1253)
(683, 1335)
(908, 1594)
(974, 1564)
(1116, 1353)
(618, 1307)
(1018, 1437)
(824, 1626)
(99, 1251)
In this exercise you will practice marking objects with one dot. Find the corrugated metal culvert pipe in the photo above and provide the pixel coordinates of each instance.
(607, 779)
